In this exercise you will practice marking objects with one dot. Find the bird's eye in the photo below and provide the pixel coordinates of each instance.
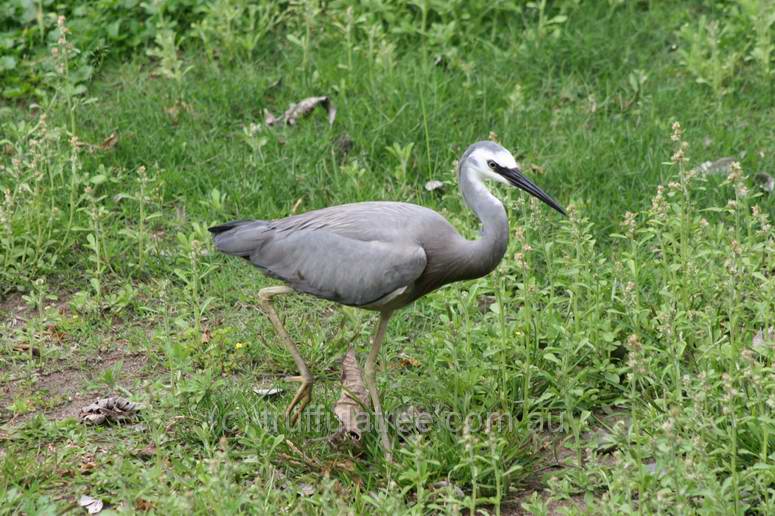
(491, 164)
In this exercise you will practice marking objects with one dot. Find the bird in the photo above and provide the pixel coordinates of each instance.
(378, 255)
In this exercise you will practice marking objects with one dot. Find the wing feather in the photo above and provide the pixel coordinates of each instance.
(354, 254)
(345, 270)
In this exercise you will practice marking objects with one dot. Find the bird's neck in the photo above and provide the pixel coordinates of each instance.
(488, 250)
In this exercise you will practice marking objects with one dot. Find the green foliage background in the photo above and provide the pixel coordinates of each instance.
(128, 127)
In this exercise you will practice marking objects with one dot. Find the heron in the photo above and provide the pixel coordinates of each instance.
(379, 256)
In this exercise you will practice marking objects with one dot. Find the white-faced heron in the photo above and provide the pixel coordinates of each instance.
(378, 255)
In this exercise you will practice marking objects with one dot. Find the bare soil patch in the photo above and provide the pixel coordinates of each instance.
(555, 454)
(13, 309)
(69, 387)
(514, 507)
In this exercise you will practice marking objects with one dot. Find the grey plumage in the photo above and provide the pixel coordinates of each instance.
(380, 255)
(326, 252)
(359, 254)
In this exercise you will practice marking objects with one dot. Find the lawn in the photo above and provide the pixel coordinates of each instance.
(618, 360)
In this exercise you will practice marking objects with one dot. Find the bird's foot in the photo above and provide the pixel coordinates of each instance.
(302, 398)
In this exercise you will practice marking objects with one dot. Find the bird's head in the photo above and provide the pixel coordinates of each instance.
(490, 161)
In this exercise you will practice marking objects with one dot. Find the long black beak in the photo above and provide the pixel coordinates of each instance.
(515, 177)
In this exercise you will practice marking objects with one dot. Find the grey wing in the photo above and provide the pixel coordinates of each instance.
(326, 263)
(342, 269)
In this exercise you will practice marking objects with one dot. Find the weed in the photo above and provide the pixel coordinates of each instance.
(146, 199)
(403, 153)
(760, 15)
(192, 273)
(702, 54)
(231, 31)
(166, 51)
(65, 79)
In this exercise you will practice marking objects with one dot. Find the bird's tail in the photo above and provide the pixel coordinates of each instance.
(217, 230)
(239, 237)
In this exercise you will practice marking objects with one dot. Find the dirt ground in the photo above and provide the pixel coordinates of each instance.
(68, 387)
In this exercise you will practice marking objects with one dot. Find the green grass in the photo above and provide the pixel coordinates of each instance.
(577, 329)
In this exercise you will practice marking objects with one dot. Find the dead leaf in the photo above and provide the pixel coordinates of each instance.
(114, 410)
(350, 408)
(206, 335)
(302, 109)
(25, 348)
(306, 106)
(92, 505)
(56, 334)
(147, 452)
(109, 142)
(88, 464)
(765, 182)
(407, 361)
(306, 489)
(720, 166)
(433, 185)
(267, 392)
(144, 505)
(343, 465)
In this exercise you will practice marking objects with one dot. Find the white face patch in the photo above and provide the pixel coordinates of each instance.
(505, 159)
(480, 157)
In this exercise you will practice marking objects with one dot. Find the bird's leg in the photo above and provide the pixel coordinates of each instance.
(371, 384)
(304, 394)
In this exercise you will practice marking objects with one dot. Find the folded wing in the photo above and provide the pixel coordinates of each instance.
(323, 262)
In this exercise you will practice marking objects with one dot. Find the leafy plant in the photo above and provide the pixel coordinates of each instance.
(193, 272)
(231, 30)
(760, 15)
(165, 50)
(704, 54)
(403, 153)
